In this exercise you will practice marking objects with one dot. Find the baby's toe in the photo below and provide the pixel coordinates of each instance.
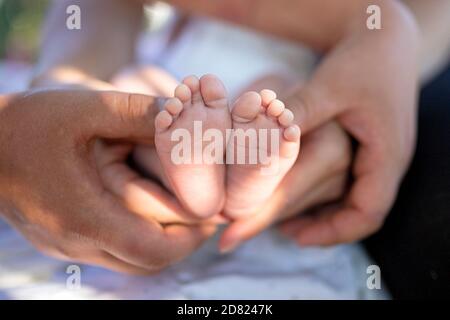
(163, 120)
(193, 84)
(291, 145)
(213, 91)
(267, 96)
(174, 106)
(247, 107)
(183, 93)
(286, 118)
(275, 108)
(292, 133)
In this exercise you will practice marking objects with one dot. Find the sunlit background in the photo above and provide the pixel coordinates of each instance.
(20, 23)
(20, 32)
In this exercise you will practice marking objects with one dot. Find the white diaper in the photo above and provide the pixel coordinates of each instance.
(235, 55)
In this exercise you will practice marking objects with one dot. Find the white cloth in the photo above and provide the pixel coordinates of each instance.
(266, 267)
(237, 56)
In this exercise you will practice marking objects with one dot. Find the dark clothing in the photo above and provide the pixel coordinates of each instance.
(413, 247)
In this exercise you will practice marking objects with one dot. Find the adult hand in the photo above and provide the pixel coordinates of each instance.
(368, 84)
(53, 190)
(140, 195)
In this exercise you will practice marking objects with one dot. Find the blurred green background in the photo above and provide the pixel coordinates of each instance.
(20, 24)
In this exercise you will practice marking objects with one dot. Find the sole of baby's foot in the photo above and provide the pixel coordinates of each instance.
(264, 146)
(194, 169)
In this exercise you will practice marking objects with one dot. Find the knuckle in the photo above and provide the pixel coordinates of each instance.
(80, 233)
(136, 107)
(374, 221)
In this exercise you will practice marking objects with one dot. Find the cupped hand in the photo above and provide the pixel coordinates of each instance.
(54, 189)
(368, 83)
(139, 194)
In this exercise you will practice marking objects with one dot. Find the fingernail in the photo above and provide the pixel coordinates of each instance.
(229, 247)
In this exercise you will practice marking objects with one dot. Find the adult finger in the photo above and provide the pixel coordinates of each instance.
(243, 230)
(116, 115)
(312, 106)
(103, 259)
(78, 251)
(106, 260)
(138, 240)
(163, 246)
(140, 195)
(370, 198)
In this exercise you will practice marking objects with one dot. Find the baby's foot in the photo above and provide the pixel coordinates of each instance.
(250, 184)
(198, 184)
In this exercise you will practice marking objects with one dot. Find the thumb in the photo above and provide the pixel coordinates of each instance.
(312, 105)
(120, 115)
